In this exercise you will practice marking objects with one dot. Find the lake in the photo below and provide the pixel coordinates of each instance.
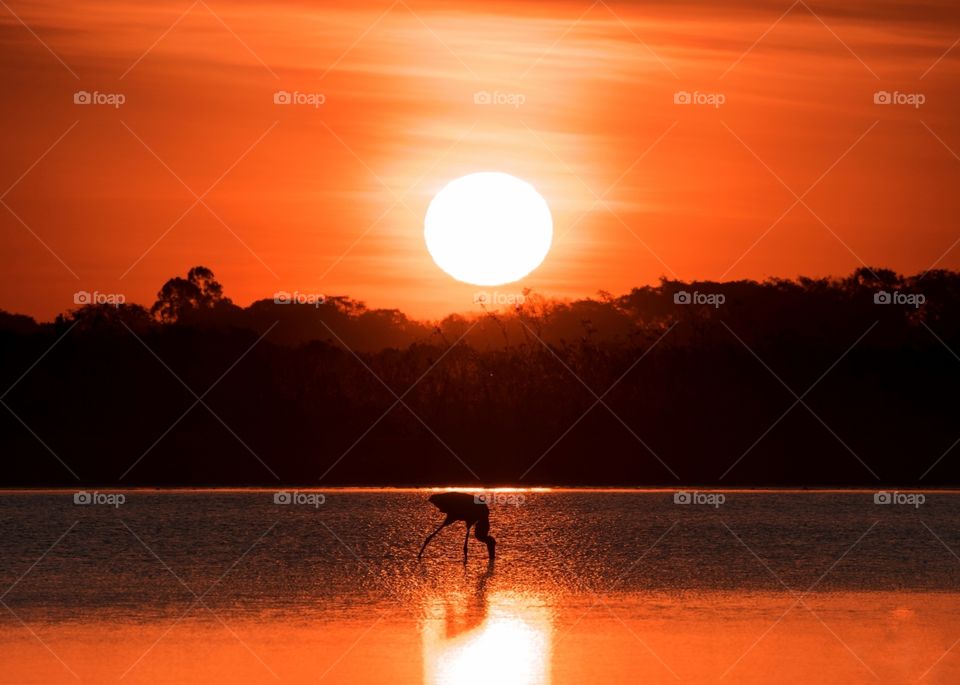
(589, 586)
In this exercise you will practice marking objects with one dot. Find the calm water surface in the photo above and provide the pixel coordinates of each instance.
(588, 586)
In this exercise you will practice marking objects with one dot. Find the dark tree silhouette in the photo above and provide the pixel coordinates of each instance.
(180, 297)
(691, 393)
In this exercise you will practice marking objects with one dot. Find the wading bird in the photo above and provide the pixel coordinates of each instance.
(460, 506)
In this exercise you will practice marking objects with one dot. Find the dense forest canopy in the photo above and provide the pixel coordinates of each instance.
(803, 382)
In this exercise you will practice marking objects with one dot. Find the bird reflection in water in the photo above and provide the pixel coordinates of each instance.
(472, 634)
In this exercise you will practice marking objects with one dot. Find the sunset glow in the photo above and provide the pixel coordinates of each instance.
(462, 342)
(325, 191)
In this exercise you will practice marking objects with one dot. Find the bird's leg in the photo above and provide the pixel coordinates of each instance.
(465, 541)
(430, 537)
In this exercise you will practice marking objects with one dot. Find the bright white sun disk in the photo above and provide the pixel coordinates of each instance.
(488, 228)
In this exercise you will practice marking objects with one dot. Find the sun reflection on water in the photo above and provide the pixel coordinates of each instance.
(476, 637)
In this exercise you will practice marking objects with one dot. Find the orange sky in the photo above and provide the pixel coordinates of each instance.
(330, 199)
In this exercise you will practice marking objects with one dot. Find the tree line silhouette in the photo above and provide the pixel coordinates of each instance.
(806, 382)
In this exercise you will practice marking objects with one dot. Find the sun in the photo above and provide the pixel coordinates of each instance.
(488, 228)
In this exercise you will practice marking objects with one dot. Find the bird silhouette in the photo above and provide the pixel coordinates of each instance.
(460, 506)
